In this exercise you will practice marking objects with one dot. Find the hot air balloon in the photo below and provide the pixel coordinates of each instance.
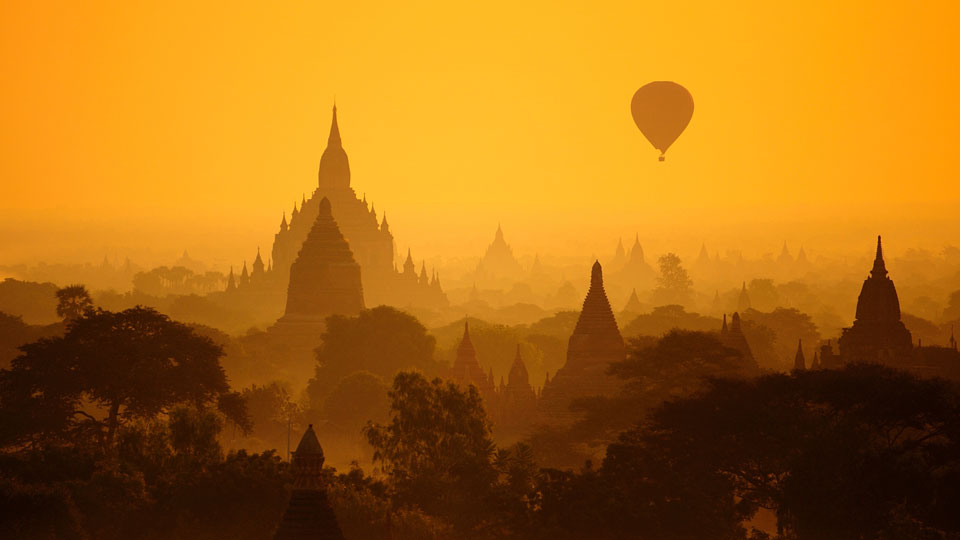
(662, 110)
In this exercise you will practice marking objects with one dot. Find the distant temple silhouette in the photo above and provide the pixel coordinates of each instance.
(498, 262)
(308, 514)
(733, 337)
(466, 369)
(631, 269)
(370, 241)
(512, 405)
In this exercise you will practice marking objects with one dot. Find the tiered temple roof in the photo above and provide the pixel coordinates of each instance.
(325, 279)
(595, 344)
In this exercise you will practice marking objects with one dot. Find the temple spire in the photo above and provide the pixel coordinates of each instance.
(879, 268)
(334, 138)
(799, 362)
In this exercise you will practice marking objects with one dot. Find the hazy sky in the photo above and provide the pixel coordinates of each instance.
(145, 128)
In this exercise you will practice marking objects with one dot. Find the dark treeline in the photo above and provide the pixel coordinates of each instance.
(119, 426)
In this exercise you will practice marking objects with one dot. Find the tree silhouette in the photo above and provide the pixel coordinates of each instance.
(382, 340)
(674, 284)
(437, 449)
(863, 452)
(675, 366)
(73, 302)
(110, 368)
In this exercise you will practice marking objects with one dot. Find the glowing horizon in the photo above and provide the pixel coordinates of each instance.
(147, 130)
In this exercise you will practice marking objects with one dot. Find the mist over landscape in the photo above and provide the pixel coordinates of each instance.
(441, 271)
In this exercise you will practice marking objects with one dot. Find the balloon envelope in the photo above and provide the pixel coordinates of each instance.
(662, 110)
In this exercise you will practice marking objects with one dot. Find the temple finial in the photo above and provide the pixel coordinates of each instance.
(879, 268)
(334, 138)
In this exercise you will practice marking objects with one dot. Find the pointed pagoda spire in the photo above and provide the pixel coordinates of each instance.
(409, 267)
(703, 257)
(620, 253)
(633, 303)
(334, 138)
(815, 364)
(785, 257)
(879, 268)
(465, 340)
(466, 369)
(384, 226)
(743, 303)
(258, 266)
(799, 363)
(334, 170)
(636, 252)
(723, 329)
(231, 281)
(518, 371)
(295, 212)
(424, 281)
(283, 223)
(735, 323)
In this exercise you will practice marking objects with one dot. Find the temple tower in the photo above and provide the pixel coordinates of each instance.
(325, 279)
(799, 362)
(877, 335)
(743, 302)
(733, 337)
(466, 369)
(594, 345)
(308, 514)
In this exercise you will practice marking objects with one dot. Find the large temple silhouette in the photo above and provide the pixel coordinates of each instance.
(369, 237)
(595, 344)
(877, 334)
(324, 279)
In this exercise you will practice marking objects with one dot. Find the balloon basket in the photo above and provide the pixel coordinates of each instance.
(661, 158)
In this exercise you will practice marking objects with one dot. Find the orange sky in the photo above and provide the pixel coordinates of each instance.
(144, 128)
